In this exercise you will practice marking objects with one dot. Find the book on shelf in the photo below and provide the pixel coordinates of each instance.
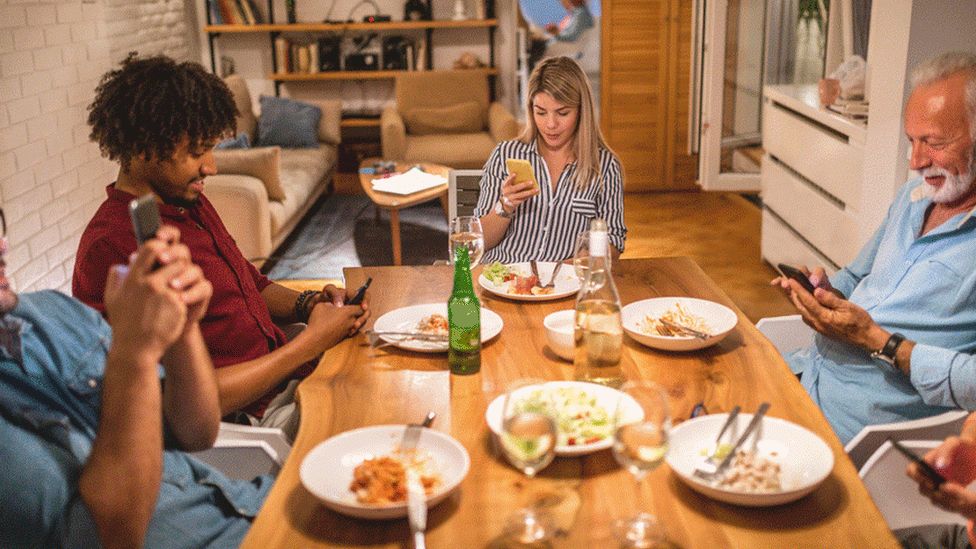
(214, 12)
(234, 12)
(281, 55)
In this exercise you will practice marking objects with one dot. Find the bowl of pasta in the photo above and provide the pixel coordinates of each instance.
(657, 322)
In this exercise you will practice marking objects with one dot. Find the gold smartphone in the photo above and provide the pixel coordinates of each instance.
(522, 170)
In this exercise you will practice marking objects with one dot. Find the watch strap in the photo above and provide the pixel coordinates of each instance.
(888, 352)
(500, 209)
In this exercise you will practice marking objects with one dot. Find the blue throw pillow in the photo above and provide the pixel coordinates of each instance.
(288, 123)
(239, 142)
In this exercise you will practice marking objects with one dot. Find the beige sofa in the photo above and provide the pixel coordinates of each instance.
(240, 192)
(444, 117)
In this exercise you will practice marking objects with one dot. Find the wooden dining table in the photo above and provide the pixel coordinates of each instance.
(356, 385)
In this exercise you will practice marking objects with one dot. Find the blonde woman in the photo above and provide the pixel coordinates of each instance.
(579, 176)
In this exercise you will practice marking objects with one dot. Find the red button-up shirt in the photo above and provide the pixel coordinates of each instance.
(237, 326)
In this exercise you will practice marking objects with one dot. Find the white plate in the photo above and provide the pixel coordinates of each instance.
(720, 320)
(405, 319)
(805, 459)
(607, 397)
(327, 470)
(566, 282)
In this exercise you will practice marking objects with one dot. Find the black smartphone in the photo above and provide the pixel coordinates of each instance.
(796, 274)
(145, 217)
(923, 466)
(357, 298)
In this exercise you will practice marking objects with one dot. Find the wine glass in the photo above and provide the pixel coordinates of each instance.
(581, 255)
(528, 440)
(639, 445)
(466, 231)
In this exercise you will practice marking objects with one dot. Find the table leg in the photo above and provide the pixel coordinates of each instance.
(395, 235)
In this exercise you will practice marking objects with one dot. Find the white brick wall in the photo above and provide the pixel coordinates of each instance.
(52, 54)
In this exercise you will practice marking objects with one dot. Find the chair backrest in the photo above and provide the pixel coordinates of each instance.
(463, 189)
(786, 333)
(436, 89)
(866, 443)
(231, 432)
(895, 494)
(242, 459)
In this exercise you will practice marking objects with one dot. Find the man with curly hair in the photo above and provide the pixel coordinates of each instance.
(160, 120)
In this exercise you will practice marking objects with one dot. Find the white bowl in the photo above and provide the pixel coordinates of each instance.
(607, 398)
(560, 328)
(327, 470)
(720, 320)
(805, 459)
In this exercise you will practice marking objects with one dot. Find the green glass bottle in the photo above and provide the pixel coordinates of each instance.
(464, 319)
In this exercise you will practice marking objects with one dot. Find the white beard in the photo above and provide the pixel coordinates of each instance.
(953, 187)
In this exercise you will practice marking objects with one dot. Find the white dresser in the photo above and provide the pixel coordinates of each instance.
(811, 180)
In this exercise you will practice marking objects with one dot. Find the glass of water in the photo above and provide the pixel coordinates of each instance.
(528, 440)
(466, 231)
(581, 255)
(641, 427)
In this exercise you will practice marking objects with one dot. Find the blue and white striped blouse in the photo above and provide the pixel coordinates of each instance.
(545, 226)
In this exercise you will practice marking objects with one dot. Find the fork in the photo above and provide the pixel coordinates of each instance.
(534, 265)
(376, 341)
(708, 470)
(552, 279)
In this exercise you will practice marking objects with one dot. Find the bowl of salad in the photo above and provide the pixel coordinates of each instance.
(584, 413)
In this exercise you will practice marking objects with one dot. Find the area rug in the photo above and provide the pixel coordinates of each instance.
(342, 231)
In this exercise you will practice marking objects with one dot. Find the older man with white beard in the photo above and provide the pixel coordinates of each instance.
(896, 328)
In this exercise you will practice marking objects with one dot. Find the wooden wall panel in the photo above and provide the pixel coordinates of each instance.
(644, 98)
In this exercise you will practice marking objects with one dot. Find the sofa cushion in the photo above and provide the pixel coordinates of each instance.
(329, 124)
(458, 151)
(288, 123)
(260, 162)
(247, 123)
(301, 171)
(460, 118)
(238, 142)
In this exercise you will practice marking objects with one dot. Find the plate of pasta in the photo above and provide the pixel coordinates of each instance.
(651, 322)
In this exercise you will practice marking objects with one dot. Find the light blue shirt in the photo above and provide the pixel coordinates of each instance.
(922, 287)
(580, 19)
(50, 398)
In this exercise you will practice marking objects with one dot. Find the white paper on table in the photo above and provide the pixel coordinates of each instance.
(408, 182)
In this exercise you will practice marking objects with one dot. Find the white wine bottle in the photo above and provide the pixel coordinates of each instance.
(599, 333)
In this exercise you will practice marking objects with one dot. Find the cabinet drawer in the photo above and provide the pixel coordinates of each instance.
(820, 154)
(781, 245)
(821, 221)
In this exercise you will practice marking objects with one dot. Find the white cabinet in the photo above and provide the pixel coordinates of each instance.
(811, 180)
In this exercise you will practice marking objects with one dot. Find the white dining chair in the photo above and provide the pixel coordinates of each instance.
(463, 188)
(244, 452)
(866, 443)
(895, 494)
(787, 333)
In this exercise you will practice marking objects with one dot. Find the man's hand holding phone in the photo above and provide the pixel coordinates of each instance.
(954, 459)
(338, 297)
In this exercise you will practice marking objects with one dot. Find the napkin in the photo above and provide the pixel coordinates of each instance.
(408, 182)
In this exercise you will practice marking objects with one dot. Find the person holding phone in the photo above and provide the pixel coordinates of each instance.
(160, 121)
(955, 460)
(577, 175)
(896, 328)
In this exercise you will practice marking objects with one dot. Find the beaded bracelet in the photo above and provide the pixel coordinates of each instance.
(302, 311)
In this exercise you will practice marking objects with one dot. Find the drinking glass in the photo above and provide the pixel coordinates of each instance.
(640, 445)
(528, 441)
(466, 231)
(581, 255)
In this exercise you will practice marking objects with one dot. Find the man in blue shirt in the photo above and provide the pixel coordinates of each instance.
(896, 328)
(89, 429)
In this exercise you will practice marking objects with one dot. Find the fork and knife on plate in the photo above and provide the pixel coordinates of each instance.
(713, 468)
(534, 265)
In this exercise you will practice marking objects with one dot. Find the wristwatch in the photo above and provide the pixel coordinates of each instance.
(887, 353)
(500, 209)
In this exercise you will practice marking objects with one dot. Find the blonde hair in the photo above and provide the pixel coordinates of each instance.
(563, 79)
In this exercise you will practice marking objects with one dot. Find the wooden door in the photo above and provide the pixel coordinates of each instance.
(645, 66)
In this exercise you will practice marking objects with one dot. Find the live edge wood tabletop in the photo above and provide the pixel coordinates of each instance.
(356, 386)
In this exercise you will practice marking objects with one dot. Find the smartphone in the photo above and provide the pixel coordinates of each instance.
(522, 170)
(357, 298)
(145, 217)
(796, 274)
(923, 466)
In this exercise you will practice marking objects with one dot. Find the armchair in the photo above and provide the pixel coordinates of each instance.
(444, 117)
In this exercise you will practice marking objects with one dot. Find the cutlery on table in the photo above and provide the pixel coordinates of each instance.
(375, 338)
(552, 279)
(675, 327)
(416, 498)
(707, 470)
(534, 265)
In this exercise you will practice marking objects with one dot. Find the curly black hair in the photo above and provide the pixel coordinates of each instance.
(148, 105)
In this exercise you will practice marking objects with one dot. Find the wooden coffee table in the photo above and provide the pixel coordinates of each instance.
(393, 203)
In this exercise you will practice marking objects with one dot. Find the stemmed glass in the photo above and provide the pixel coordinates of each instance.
(466, 231)
(640, 444)
(528, 440)
(581, 255)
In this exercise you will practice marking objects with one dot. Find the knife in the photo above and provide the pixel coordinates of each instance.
(416, 498)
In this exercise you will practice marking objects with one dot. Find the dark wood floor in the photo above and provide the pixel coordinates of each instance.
(720, 231)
